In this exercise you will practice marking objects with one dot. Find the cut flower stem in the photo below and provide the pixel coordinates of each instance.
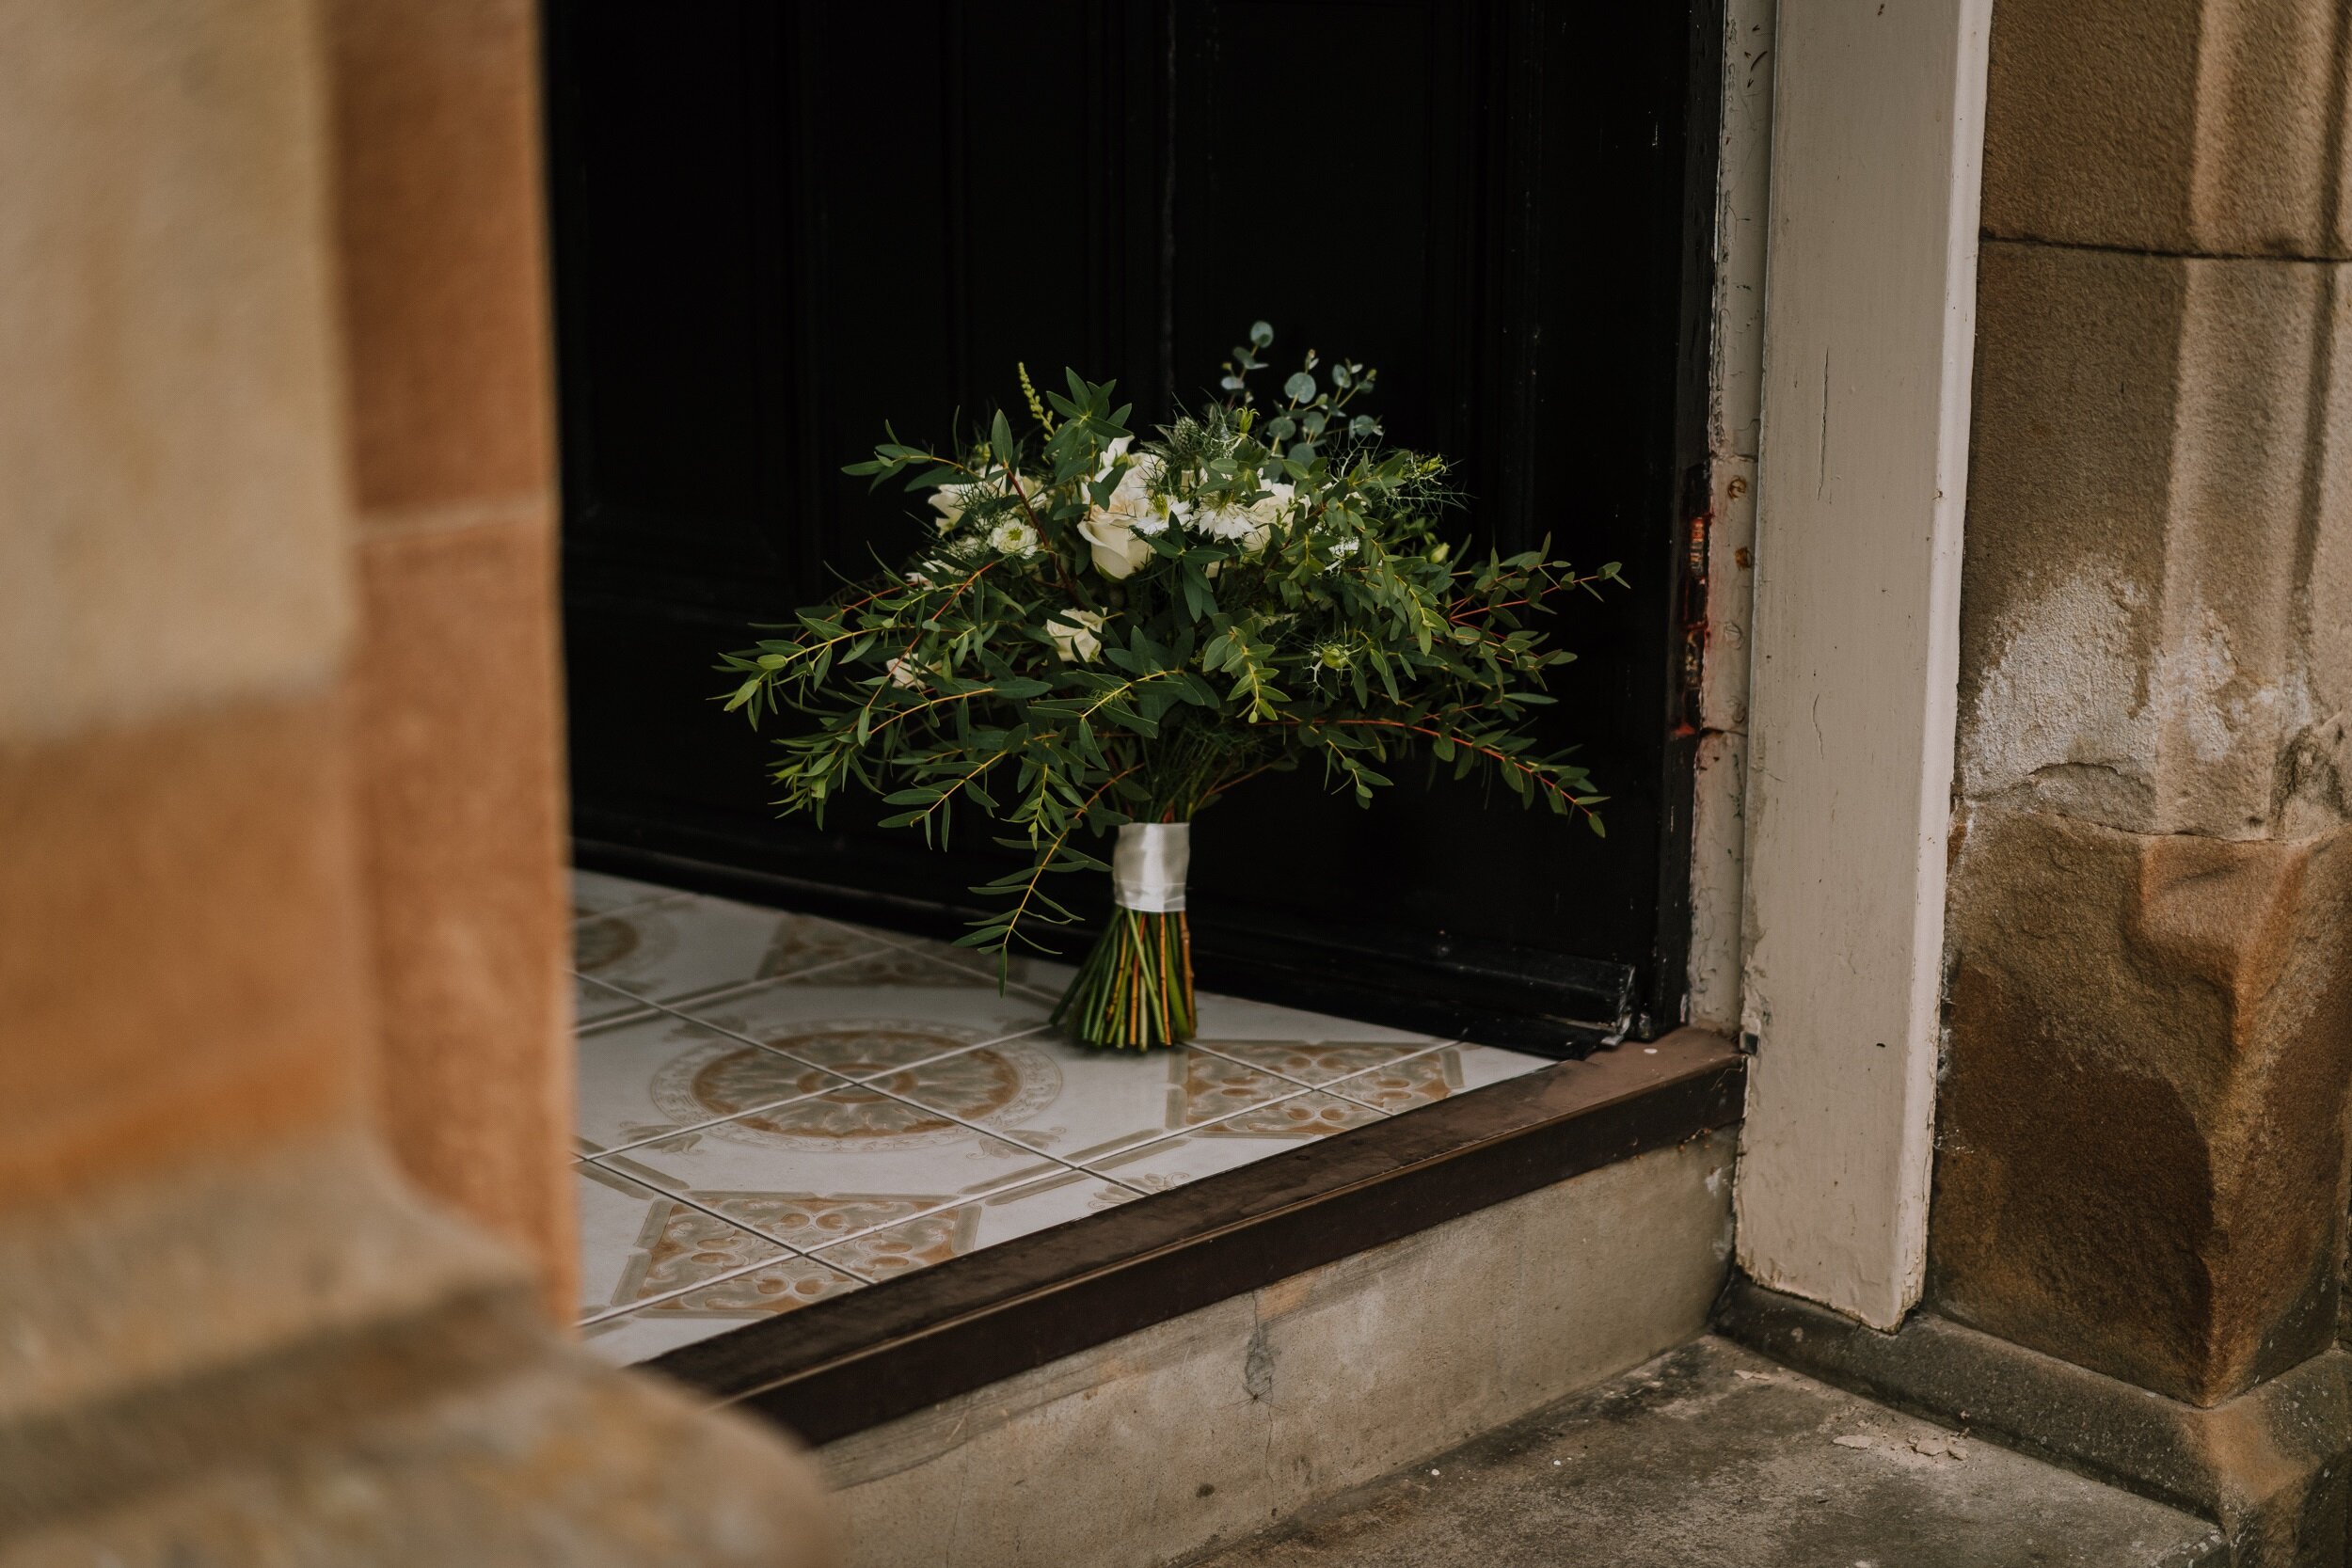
(1133, 991)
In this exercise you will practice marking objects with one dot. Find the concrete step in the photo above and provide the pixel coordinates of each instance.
(1712, 1456)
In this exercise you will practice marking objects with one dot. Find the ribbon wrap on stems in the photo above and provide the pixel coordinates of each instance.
(1133, 991)
(1149, 865)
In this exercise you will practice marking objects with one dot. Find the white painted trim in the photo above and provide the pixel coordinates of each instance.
(1736, 369)
(1869, 329)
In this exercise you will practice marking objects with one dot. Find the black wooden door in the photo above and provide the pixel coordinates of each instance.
(778, 224)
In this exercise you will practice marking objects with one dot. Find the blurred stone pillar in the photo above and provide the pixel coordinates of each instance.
(228, 1331)
(2142, 1164)
(456, 721)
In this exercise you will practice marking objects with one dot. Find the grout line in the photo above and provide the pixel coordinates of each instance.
(1009, 1184)
(835, 1263)
(1209, 1049)
(818, 1253)
(1279, 1100)
(693, 1202)
(612, 1312)
(1195, 1127)
(905, 944)
(732, 993)
(581, 1025)
(840, 1082)
(1384, 1067)
(904, 1066)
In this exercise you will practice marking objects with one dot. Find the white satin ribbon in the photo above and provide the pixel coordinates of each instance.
(1148, 868)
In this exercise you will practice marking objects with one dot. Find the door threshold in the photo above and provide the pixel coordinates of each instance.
(841, 1366)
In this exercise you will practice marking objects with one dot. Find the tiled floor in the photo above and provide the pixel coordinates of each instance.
(775, 1108)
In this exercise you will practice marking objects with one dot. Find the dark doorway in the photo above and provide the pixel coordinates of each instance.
(777, 226)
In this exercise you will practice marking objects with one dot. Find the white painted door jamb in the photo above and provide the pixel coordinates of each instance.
(1868, 336)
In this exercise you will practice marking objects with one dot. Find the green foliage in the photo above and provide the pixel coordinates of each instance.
(1103, 631)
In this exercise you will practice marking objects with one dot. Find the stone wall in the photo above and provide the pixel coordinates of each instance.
(279, 879)
(458, 735)
(2141, 1161)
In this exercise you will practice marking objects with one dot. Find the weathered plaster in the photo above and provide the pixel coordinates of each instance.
(2141, 1165)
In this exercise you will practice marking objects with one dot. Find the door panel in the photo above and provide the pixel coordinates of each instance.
(778, 226)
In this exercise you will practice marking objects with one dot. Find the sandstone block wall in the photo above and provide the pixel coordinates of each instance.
(280, 885)
(2141, 1161)
(457, 725)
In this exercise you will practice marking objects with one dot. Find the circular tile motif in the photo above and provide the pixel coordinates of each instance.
(619, 945)
(602, 943)
(909, 1100)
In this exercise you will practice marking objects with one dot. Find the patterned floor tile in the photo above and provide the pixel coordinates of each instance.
(1318, 1062)
(693, 946)
(787, 1283)
(1230, 1017)
(637, 1244)
(598, 892)
(1482, 1065)
(857, 1030)
(1255, 1134)
(1434, 1075)
(1080, 1102)
(893, 966)
(935, 1238)
(1031, 972)
(847, 1141)
(652, 1075)
(816, 1105)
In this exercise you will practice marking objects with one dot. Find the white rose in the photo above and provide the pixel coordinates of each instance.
(905, 671)
(1113, 528)
(1074, 634)
(1111, 540)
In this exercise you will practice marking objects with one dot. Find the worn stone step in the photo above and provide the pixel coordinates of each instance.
(1712, 1457)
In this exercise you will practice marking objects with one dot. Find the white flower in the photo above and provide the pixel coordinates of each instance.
(1247, 526)
(1074, 634)
(1111, 454)
(1013, 537)
(952, 500)
(905, 671)
(1112, 528)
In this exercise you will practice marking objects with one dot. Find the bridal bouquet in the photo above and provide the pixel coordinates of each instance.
(1105, 634)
